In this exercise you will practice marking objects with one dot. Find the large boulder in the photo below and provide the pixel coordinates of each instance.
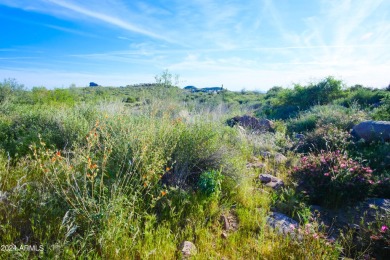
(252, 123)
(372, 130)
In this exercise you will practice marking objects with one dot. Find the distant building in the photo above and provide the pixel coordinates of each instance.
(191, 88)
(212, 90)
(93, 84)
(206, 90)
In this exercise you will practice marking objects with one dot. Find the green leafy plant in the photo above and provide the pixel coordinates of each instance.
(210, 182)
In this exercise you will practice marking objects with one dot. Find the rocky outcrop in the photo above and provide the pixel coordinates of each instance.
(187, 249)
(282, 224)
(280, 158)
(271, 181)
(252, 123)
(372, 131)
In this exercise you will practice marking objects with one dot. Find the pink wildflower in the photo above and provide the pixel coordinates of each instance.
(384, 228)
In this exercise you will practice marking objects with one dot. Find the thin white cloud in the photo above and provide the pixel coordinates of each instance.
(115, 14)
(68, 30)
(109, 19)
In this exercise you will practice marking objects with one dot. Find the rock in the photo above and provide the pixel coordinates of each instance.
(266, 178)
(265, 154)
(187, 249)
(241, 129)
(283, 224)
(271, 181)
(275, 185)
(225, 222)
(263, 125)
(267, 125)
(229, 222)
(372, 130)
(257, 165)
(280, 158)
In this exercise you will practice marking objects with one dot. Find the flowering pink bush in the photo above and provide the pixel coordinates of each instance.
(380, 242)
(331, 178)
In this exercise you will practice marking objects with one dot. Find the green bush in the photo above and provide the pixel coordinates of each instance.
(328, 138)
(364, 97)
(383, 112)
(319, 116)
(285, 103)
(58, 127)
(377, 154)
(210, 182)
(332, 179)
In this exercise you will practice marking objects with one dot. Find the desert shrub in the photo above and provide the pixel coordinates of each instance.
(302, 124)
(379, 238)
(363, 96)
(328, 138)
(381, 186)
(130, 100)
(369, 240)
(285, 103)
(58, 127)
(9, 89)
(332, 178)
(292, 203)
(318, 116)
(377, 154)
(199, 148)
(383, 111)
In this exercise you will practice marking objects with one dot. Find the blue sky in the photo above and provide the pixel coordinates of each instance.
(254, 44)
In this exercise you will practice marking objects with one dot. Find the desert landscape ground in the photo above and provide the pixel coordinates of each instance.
(158, 172)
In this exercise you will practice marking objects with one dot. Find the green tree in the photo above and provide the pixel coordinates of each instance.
(9, 89)
(167, 79)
